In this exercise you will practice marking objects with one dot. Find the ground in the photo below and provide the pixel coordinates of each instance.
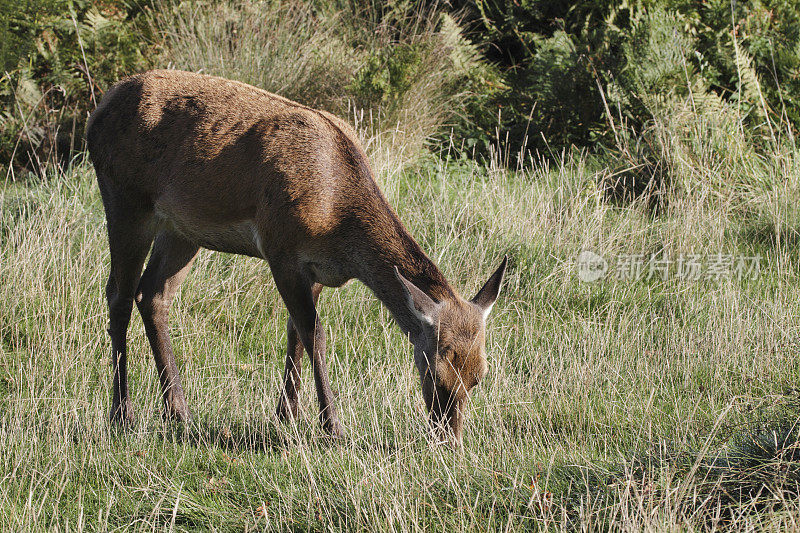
(631, 401)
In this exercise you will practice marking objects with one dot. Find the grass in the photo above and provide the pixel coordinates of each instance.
(638, 404)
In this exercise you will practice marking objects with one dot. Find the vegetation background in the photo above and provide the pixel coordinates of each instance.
(656, 129)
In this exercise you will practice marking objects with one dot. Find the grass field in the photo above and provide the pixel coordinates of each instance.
(626, 403)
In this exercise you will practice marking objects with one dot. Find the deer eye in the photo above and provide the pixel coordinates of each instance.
(446, 352)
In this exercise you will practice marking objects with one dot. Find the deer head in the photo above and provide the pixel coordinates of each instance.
(449, 349)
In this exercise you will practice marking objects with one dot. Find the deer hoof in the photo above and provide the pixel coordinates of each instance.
(287, 411)
(122, 415)
(181, 415)
(335, 430)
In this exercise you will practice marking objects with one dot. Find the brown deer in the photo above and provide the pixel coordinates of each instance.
(186, 160)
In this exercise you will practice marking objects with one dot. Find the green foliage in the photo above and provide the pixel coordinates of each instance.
(767, 32)
(574, 68)
(387, 78)
(551, 55)
(58, 57)
(526, 74)
(388, 74)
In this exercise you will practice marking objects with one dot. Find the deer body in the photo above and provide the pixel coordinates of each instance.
(185, 161)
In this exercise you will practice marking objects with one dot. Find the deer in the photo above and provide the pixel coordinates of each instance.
(186, 160)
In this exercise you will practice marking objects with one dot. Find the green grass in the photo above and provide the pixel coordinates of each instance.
(633, 404)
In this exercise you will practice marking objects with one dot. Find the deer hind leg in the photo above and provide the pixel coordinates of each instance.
(287, 403)
(129, 237)
(297, 294)
(168, 266)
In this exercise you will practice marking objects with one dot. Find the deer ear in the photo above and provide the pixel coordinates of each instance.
(488, 294)
(418, 302)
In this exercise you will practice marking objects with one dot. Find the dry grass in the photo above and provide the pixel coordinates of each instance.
(642, 404)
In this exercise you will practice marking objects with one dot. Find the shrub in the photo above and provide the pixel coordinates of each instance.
(673, 133)
(572, 69)
(58, 58)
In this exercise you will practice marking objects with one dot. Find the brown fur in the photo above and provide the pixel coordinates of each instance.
(462, 362)
(185, 160)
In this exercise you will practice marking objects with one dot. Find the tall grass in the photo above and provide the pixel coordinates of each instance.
(633, 404)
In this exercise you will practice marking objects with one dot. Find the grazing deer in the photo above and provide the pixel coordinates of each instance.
(185, 160)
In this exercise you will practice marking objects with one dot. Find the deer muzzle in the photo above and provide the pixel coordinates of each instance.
(445, 412)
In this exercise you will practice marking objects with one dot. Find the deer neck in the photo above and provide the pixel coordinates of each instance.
(391, 245)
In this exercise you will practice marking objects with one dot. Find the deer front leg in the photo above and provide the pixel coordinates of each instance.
(287, 402)
(300, 299)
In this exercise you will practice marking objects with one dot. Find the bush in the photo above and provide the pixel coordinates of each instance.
(513, 74)
(58, 57)
(572, 69)
(673, 132)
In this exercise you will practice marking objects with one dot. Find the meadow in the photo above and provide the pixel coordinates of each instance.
(641, 403)
(663, 396)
